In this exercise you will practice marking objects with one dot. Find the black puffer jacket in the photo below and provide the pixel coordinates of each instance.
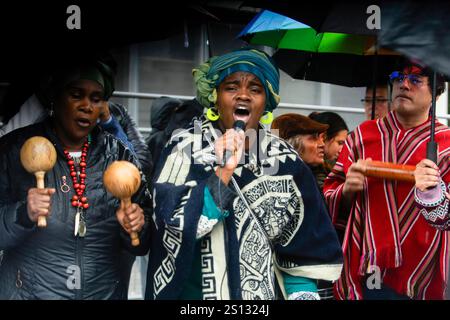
(48, 263)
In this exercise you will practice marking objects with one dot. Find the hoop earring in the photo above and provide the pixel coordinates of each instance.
(212, 114)
(267, 117)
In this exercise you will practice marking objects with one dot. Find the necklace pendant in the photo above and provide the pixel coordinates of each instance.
(64, 186)
(77, 223)
(82, 228)
(77, 166)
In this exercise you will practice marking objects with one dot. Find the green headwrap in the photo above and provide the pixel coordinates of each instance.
(92, 70)
(210, 74)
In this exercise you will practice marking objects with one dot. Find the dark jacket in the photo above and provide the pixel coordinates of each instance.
(165, 123)
(134, 136)
(144, 156)
(48, 263)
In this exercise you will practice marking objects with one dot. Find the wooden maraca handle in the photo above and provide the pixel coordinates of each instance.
(390, 171)
(38, 155)
(126, 202)
(42, 220)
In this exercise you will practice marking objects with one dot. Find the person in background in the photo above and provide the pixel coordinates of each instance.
(335, 137)
(307, 137)
(334, 142)
(161, 112)
(114, 118)
(237, 217)
(382, 101)
(31, 111)
(170, 115)
(395, 246)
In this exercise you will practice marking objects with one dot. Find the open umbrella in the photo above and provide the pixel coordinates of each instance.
(305, 54)
(281, 32)
(420, 31)
(352, 60)
(346, 16)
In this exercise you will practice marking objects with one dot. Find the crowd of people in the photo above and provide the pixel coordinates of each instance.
(231, 203)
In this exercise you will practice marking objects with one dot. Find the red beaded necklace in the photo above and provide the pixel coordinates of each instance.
(79, 183)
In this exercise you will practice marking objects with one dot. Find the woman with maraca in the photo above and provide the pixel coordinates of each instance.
(76, 255)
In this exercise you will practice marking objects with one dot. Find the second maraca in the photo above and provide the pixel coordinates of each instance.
(122, 179)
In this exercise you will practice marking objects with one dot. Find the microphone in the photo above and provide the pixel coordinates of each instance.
(238, 125)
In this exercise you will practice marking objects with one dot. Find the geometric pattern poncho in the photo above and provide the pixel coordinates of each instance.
(290, 229)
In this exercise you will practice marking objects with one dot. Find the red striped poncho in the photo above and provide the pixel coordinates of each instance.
(385, 227)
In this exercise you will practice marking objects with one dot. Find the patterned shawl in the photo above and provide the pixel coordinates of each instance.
(291, 222)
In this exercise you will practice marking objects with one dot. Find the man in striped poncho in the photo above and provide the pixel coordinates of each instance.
(394, 246)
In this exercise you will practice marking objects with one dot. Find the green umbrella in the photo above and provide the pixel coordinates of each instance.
(352, 60)
(280, 32)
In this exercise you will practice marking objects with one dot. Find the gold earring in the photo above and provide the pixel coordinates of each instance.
(212, 114)
(267, 118)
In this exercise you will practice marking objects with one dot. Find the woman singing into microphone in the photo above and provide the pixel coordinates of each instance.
(253, 227)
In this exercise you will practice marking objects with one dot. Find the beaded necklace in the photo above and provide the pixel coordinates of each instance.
(79, 200)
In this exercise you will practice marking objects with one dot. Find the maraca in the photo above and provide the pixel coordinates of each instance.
(122, 179)
(38, 155)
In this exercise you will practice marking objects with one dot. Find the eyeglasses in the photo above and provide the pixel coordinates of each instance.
(398, 77)
(377, 100)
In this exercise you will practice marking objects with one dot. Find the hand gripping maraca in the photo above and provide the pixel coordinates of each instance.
(38, 155)
(122, 179)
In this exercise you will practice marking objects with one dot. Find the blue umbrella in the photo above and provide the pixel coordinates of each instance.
(267, 21)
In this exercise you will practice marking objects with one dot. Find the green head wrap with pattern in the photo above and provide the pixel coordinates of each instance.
(210, 74)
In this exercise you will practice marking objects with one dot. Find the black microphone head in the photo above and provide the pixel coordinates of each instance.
(239, 124)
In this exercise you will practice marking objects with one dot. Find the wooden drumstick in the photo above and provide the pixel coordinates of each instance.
(38, 155)
(390, 171)
(122, 179)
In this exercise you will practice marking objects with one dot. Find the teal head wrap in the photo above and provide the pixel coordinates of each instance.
(210, 74)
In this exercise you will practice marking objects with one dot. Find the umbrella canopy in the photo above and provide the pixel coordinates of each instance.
(420, 31)
(281, 32)
(304, 53)
(338, 69)
(324, 16)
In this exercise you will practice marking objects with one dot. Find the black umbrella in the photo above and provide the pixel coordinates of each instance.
(340, 69)
(420, 31)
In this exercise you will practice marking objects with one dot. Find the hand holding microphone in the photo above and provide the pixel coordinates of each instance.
(229, 148)
(238, 127)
